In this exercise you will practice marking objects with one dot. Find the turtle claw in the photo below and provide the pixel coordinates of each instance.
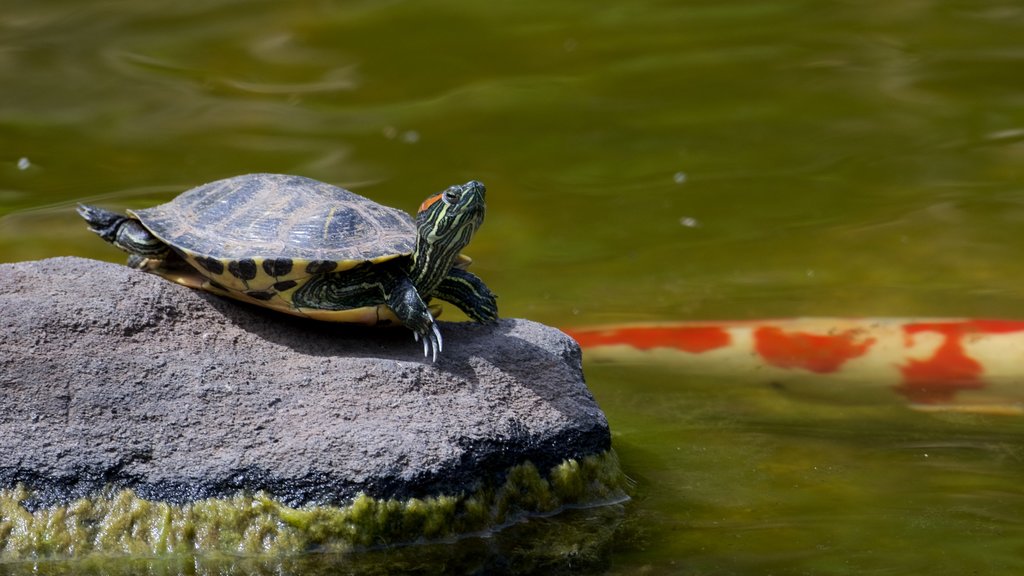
(432, 342)
(415, 315)
(437, 339)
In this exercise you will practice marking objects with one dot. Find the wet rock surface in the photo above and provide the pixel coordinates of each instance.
(114, 377)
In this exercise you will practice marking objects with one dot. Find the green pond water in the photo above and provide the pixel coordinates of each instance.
(645, 161)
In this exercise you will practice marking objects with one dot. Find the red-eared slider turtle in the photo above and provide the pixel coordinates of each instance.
(312, 249)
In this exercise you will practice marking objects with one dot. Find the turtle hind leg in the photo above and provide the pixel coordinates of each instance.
(176, 269)
(126, 233)
(469, 293)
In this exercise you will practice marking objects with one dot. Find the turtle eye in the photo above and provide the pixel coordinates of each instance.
(450, 197)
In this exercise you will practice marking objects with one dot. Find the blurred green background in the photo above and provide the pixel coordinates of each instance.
(648, 160)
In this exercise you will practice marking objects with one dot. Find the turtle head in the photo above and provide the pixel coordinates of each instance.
(450, 218)
(445, 224)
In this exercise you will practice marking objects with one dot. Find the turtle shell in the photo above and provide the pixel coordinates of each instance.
(265, 233)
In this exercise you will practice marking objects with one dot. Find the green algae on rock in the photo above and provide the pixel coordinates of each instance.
(121, 523)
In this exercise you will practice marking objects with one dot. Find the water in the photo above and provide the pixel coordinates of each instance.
(644, 160)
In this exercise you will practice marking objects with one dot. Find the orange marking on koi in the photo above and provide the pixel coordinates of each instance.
(950, 369)
(692, 339)
(822, 354)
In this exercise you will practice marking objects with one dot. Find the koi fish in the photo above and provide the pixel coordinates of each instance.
(952, 364)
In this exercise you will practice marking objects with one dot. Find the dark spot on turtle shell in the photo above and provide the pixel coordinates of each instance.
(277, 266)
(284, 285)
(212, 264)
(217, 285)
(242, 269)
(261, 294)
(321, 266)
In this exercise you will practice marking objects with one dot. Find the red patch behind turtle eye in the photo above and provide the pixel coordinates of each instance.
(430, 201)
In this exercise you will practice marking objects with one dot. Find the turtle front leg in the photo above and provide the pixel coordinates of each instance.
(469, 293)
(405, 301)
(124, 232)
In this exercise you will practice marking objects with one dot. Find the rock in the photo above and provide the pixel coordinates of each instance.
(111, 377)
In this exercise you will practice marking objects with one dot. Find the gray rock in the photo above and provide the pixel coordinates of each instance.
(114, 377)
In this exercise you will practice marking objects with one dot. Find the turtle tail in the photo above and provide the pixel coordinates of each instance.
(126, 233)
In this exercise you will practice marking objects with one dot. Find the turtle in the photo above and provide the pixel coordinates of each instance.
(308, 248)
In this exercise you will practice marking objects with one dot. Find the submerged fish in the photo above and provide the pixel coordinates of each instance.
(965, 365)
